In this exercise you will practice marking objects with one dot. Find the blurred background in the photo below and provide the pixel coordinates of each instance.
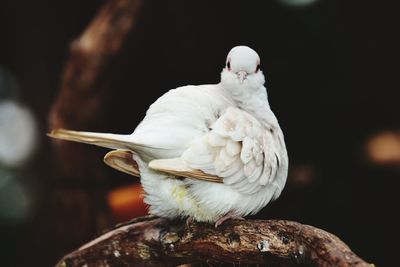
(331, 71)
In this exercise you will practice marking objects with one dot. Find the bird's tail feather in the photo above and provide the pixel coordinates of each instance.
(112, 141)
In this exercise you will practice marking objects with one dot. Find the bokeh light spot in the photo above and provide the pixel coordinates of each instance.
(384, 148)
(15, 200)
(18, 132)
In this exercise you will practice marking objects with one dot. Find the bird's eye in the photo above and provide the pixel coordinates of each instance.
(228, 65)
(258, 68)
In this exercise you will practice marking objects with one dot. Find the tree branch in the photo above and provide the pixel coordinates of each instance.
(153, 241)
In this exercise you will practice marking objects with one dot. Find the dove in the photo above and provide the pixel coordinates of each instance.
(207, 153)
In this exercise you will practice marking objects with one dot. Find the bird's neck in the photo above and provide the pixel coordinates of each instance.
(256, 103)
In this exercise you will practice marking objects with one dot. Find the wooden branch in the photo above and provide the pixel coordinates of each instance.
(153, 241)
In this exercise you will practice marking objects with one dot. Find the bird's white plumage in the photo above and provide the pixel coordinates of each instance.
(238, 149)
(225, 133)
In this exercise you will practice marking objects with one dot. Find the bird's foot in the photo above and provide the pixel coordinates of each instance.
(189, 220)
(229, 216)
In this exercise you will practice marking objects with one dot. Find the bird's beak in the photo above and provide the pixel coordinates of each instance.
(241, 76)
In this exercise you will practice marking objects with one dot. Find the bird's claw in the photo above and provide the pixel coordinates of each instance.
(228, 216)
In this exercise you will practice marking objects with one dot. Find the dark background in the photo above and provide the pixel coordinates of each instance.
(331, 72)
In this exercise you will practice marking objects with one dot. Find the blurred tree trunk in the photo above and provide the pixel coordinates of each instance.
(79, 203)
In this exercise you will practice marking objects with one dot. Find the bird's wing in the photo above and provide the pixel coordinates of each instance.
(114, 141)
(237, 151)
(123, 161)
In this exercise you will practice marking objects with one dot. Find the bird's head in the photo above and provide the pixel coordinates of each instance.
(242, 69)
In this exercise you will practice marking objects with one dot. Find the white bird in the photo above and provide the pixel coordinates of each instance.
(207, 152)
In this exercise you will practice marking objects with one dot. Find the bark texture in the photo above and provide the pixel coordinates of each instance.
(153, 241)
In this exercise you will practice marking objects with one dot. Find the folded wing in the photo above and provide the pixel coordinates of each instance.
(238, 151)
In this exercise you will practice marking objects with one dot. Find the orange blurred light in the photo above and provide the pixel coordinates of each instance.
(384, 148)
(127, 202)
(302, 175)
